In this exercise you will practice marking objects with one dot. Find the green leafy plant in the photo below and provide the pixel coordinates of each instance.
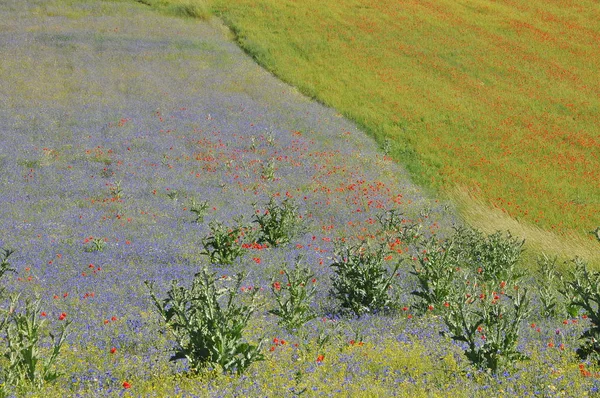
(488, 319)
(208, 322)
(435, 270)
(495, 256)
(115, 190)
(362, 281)
(493, 259)
(268, 170)
(270, 138)
(96, 245)
(547, 286)
(199, 210)
(473, 281)
(294, 296)
(4, 267)
(24, 352)
(584, 289)
(278, 224)
(222, 246)
(569, 292)
(391, 221)
(25, 363)
(173, 195)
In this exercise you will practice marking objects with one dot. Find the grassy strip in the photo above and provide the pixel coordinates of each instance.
(181, 8)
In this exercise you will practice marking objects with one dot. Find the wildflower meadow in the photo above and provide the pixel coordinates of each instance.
(179, 222)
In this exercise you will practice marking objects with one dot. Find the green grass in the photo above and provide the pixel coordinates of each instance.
(181, 8)
(493, 98)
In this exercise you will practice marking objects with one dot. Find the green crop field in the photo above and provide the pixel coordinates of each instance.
(494, 103)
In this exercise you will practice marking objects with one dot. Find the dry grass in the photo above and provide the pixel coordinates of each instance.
(488, 219)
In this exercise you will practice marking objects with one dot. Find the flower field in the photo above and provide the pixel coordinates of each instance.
(141, 148)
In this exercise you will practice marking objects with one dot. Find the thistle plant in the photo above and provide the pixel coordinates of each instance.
(24, 352)
(199, 210)
(268, 170)
(435, 271)
(362, 281)
(96, 245)
(4, 268)
(115, 190)
(584, 289)
(488, 319)
(493, 258)
(294, 296)
(222, 246)
(473, 281)
(547, 286)
(173, 195)
(270, 138)
(392, 221)
(24, 336)
(207, 323)
(278, 224)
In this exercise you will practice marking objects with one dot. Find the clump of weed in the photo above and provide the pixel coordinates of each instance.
(547, 283)
(583, 288)
(96, 244)
(394, 224)
(28, 363)
(268, 170)
(199, 210)
(173, 195)
(493, 258)
(223, 245)
(473, 281)
(435, 269)
(208, 322)
(294, 296)
(488, 319)
(278, 223)
(115, 190)
(362, 280)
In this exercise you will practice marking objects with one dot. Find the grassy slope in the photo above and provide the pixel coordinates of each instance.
(494, 99)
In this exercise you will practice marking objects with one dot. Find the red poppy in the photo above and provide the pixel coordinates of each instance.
(126, 385)
(320, 358)
(62, 316)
